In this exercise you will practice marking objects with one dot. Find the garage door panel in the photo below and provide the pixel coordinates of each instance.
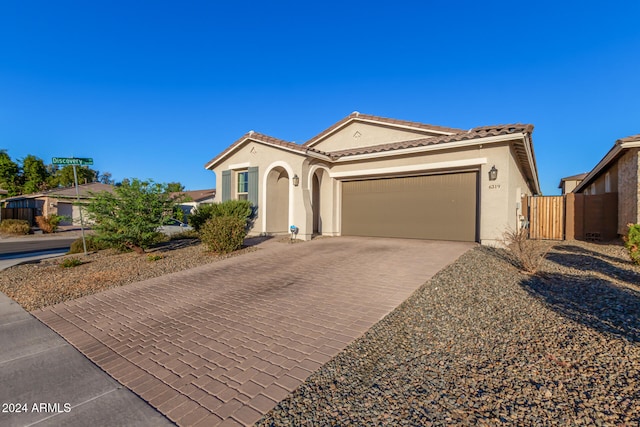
(439, 207)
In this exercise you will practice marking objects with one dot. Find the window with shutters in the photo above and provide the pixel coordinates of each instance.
(243, 185)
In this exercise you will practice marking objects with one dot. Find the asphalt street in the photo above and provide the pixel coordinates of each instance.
(24, 246)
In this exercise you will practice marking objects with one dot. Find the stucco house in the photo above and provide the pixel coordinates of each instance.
(618, 172)
(568, 183)
(373, 176)
(59, 201)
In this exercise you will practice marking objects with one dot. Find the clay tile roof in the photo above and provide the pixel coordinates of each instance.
(256, 136)
(475, 133)
(367, 117)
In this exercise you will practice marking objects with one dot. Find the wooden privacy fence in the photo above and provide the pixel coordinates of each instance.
(546, 217)
(27, 214)
(573, 216)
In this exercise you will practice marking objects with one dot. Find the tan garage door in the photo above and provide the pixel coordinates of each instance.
(437, 207)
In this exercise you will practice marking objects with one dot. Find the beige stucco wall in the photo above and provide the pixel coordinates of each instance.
(357, 134)
(266, 158)
(628, 189)
(569, 185)
(498, 200)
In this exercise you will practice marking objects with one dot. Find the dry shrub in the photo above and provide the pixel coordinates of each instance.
(48, 224)
(15, 226)
(526, 254)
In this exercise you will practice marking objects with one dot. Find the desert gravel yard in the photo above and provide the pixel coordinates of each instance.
(483, 344)
(479, 344)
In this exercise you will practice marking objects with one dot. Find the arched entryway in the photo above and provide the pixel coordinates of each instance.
(277, 196)
(315, 203)
(320, 188)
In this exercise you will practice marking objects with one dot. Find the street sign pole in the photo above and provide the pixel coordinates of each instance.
(84, 240)
(76, 162)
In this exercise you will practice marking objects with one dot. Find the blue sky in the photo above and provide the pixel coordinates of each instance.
(155, 89)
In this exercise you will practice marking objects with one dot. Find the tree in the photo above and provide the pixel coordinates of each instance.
(105, 178)
(63, 177)
(9, 174)
(130, 217)
(175, 187)
(34, 175)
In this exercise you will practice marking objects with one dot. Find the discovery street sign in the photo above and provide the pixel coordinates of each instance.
(72, 161)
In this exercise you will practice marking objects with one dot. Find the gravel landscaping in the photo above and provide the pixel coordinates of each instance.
(483, 344)
(479, 344)
(40, 284)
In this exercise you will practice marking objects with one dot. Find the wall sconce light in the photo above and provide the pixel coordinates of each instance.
(296, 180)
(493, 173)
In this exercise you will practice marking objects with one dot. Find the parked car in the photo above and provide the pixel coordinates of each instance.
(173, 226)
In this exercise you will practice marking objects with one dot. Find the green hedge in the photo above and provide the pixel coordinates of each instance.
(241, 209)
(223, 234)
(632, 242)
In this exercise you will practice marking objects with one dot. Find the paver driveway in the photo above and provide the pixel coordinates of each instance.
(224, 342)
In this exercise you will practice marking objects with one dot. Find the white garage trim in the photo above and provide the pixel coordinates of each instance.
(413, 168)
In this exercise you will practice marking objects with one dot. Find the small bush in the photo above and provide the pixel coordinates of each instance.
(93, 245)
(49, 224)
(632, 242)
(526, 254)
(15, 226)
(70, 263)
(233, 208)
(223, 234)
(188, 234)
(151, 257)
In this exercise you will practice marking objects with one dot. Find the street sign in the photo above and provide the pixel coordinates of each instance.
(73, 161)
(80, 161)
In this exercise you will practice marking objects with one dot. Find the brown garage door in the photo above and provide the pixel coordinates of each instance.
(437, 207)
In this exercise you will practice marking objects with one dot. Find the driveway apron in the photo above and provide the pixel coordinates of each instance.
(222, 344)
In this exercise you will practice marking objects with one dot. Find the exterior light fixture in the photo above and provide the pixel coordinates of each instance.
(493, 173)
(296, 180)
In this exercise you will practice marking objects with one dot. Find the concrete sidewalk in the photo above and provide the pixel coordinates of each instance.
(50, 383)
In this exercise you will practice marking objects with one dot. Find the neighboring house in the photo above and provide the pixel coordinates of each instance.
(618, 172)
(568, 183)
(59, 201)
(374, 176)
(191, 199)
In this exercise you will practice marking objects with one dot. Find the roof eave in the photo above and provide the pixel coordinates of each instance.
(612, 155)
(217, 160)
(525, 156)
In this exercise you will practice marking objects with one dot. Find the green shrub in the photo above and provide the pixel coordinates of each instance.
(129, 217)
(15, 226)
(223, 234)
(187, 234)
(241, 209)
(152, 257)
(70, 262)
(49, 224)
(93, 245)
(632, 242)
